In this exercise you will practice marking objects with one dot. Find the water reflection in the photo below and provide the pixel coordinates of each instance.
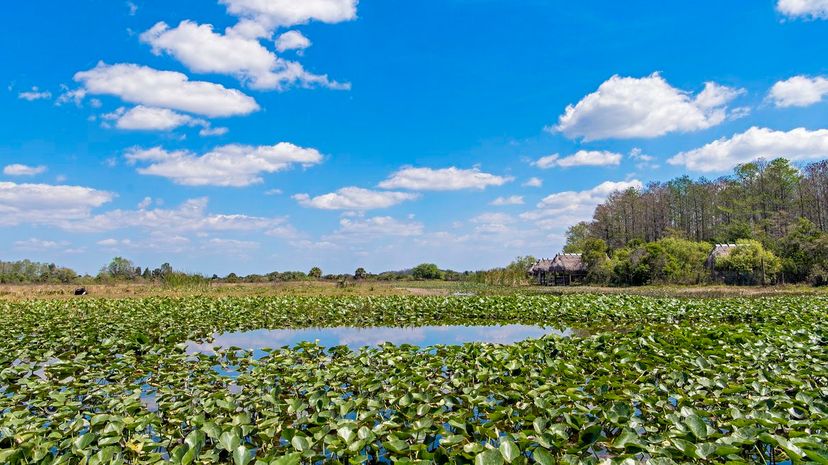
(355, 338)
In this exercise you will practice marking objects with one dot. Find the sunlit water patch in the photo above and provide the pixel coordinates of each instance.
(355, 338)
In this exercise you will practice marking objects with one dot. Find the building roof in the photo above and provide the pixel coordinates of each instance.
(720, 250)
(544, 264)
(568, 263)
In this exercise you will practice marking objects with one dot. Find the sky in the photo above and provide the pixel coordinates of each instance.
(251, 136)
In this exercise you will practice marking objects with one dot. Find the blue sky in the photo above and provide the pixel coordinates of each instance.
(252, 136)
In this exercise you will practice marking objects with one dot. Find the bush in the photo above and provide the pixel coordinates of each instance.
(426, 271)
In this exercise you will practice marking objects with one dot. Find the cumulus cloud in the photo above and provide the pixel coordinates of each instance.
(165, 89)
(798, 144)
(511, 200)
(493, 223)
(212, 131)
(799, 91)
(445, 179)
(189, 217)
(36, 245)
(35, 94)
(371, 228)
(224, 245)
(533, 182)
(202, 50)
(562, 209)
(292, 40)
(579, 158)
(68, 95)
(228, 165)
(627, 107)
(17, 169)
(354, 198)
(47, 204)
(143, 118)
(810, 9)
(262, 16)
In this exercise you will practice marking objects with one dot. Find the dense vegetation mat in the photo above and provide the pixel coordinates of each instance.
(721, 381)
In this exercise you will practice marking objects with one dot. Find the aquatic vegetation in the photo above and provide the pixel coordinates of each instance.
(656, 381)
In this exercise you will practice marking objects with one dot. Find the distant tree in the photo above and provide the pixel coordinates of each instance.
(594, 255)
(120, 268)
(803, 249)
(315, 272)
(232, 278)
(360, 273)
(426, 271)
(165, 269)
(576, 236)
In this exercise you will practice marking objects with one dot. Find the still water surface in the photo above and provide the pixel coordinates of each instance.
(360, 337)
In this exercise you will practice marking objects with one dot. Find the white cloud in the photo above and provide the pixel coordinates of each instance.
(191, 216)
(202, 50)
(580, 158)
(35, 94)
(36, 245)
(228, 165)
(133, 8)
(644, 161)
(17, 169)
(562, 209)
(143, 118)
(210, 131)
(799, 91)
(811, 9)
(157, 241)
(46, 203)
(445, 179)
(493, 223)
(165, 89)
(533, 182)
(75, 96)
(354, 198)
(292, 40)
(150, 119)
(627, 107)
(282, 13)
(797, 145)
(378, 226)
(511, 200)
(225, 245)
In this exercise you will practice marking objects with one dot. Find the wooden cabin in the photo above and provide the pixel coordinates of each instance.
(563, 270)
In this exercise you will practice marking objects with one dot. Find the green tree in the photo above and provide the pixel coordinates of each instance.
(315, 272)
(120, 268)
(803, 249)
(594, 256)
(750, 257)
(426, 271)
(576, 237)
(360, 273)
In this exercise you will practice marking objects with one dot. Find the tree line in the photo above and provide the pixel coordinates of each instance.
(121, 269)
(775, 212)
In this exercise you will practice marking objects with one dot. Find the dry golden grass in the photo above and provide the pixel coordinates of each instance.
(373, 288)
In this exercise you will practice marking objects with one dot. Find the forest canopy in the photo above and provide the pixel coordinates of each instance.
(773, 213)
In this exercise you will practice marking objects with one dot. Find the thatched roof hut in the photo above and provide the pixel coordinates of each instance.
(542, 265)
(562, 269)
(568, 263)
